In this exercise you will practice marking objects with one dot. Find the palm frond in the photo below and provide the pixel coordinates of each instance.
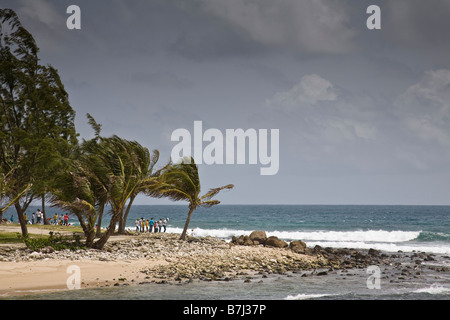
(209, 203)
(212, 192)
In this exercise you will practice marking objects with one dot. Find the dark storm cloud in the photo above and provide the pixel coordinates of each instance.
(351, 104)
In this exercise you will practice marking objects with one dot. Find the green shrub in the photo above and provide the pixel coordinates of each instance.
(55, 240)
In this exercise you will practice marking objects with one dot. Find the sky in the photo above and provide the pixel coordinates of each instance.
(363, 115)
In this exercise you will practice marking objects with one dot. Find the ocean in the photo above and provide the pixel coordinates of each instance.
(409, 229)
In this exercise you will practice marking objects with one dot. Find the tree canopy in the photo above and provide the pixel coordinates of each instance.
(36, 120)
(181, 182)
(40, 154)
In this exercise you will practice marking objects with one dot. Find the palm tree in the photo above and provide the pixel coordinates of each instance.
(113, 170)
(181, 182)
(98, 176)
(143, 176)
(79, 190)
(118, 170)
(105, 171)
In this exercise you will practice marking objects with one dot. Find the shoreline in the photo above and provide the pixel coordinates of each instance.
(162, 258)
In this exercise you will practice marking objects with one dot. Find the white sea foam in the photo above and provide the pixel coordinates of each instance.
(303, 296)
(359, 235)
(336, 236)
(390, 241)
(434, 289)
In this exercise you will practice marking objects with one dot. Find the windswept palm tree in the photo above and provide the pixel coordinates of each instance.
(79, 190)
(95, 178)
(143, 177)
(105, 171)
(181, 182)
(114, 171)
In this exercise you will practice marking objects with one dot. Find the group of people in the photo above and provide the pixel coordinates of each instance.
(151, 225)
(38, 218)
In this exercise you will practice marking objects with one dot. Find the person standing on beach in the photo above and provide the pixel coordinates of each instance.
(165, 225)
(137, 225)
(152, 222)
(33, 216)
(38, 216)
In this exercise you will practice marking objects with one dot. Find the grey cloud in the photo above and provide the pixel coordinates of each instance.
(311, 26)
(418, 23)
(311, 89)
(425, 109)
(337, 129)
(162, 79)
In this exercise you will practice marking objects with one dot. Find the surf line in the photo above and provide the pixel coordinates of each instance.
(235, 147)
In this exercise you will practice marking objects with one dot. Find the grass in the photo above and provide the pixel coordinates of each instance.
(10, 237)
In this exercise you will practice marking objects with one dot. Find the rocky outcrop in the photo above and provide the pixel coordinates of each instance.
(298, 246)
(275, 242)
(259, 238)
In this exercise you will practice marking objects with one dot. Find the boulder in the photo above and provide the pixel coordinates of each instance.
(247, 241)
(297, 246)
(275, 242)
(48, 249)
(259, 236)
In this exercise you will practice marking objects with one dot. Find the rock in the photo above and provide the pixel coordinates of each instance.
(259, 236)
(429, 258)
(373, 252)
(297, 246)
(48, 249)
(247, 241)
(275, 242)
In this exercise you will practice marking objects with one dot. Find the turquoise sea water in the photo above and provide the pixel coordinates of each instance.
(409, 229)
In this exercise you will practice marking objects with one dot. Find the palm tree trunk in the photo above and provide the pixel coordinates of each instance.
(183, 234)
(123, 219)
(99, 222)
(109, 231)
(90, 236)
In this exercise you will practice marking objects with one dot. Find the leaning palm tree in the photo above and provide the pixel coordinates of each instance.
(181, 182)
(78, 190)
(99, 175)
(143, 176)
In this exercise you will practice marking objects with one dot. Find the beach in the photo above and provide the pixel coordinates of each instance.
(342, 244)
(128, 260)
(48, 275)
(162, 259)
